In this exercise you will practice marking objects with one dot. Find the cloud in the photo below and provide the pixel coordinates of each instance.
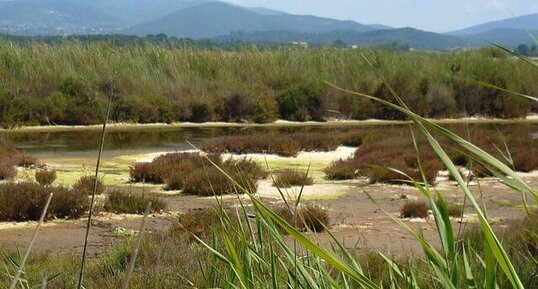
(498, 5)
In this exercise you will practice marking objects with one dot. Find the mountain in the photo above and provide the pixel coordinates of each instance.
(210, 20)
(134, 12)
(529, 22)
(215, 19)
(266, 11)
(417, 39)
(48, 17)
(504, 36)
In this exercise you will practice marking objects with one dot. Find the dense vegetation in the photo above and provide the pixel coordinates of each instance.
(393, 148)
(283, 144)
(196, 174)
(10, 159)
(69, 83)
(126, 203)
(25, 201)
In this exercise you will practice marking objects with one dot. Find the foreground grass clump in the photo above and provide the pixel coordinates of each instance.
(194, 174)
(414, 209)
(25, 202)
(125, 203)
(45, 177)
(289, 177)
(86, 183)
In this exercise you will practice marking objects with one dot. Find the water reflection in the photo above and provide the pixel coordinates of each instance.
(152, 139)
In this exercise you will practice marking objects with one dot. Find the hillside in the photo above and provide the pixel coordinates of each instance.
(414, 38)
(51, 17)
(214, 19)
(527, 22)
(503, 36)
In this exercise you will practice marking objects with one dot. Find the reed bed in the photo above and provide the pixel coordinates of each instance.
(66, 84)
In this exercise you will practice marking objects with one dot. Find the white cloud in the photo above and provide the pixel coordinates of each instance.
(498, 5)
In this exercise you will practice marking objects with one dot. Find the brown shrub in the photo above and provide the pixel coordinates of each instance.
(141, 172)
(308, 217)
(526, 160)
(16, 157)
(25, 201)
(198, 222)
(341, 170)
(159, 170)
(283, 144)
(85, 185)
(289, 177)
(414, 209)
(350, 138)
(7, 171)
(124, 203)
(194, 174)
(206, 182)
(45, 177)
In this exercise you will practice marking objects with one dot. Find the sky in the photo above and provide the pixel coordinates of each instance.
(431, 15)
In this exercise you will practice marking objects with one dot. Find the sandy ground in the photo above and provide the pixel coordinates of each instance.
(355, 220)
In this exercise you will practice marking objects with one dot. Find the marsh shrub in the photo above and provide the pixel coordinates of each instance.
(198, 222)
(13, 156)
(141, 172)
(126, 203)
(25, 201)
(341, 170)
(195, 174)
(45, 177)
(7, 171)
(289, 177)
(414, 209)
(303, 103)
(162, 167)
(86, 184)
(307, 217)
(237, 107)
(351, 139)
(283, 144)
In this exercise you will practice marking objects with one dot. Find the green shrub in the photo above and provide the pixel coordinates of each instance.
(289, 177)
(45, 177)
(123, 203)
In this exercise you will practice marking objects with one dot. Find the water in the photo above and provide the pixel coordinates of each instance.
(147, 139)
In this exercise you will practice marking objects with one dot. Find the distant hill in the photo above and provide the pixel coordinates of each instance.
(215, 19)
(49, 17)
(504, 36)
(212, 21)
(523, 23)
(414, 38)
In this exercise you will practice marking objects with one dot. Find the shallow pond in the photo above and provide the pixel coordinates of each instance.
(73, 152)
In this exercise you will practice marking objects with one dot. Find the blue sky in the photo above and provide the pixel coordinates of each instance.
(432, 15)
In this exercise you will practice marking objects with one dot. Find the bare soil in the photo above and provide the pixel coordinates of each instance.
(355, 220)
